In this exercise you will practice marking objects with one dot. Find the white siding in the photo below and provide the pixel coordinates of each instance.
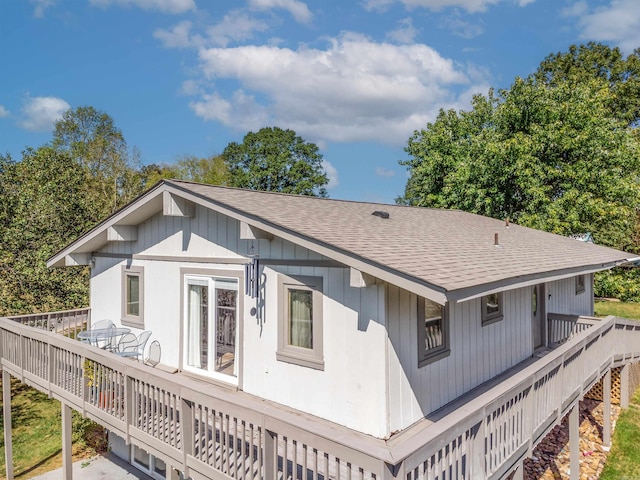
(477, 353)
(354, 333)
(562, 297)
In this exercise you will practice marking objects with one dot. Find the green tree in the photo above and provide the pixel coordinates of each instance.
(43, 205)
(276, 160)
(92, 139)
(550, 157)
(595, 60)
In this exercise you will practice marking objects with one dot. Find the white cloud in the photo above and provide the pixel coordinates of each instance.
(353, 90)
(235, 26)
(4, 112)
(576, 10)
(469, 5)
(297, 9)
(332, 174)
(405, 33)
(41, 6)
(40, 113)
(461, 28)
(384, 172)
(167, 6)
(176, 37)
(619, 23)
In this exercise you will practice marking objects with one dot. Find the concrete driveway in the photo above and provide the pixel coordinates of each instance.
(108, 467)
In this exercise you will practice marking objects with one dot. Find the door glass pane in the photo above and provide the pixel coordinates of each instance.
(197, 326)
(301, 318)
(226, 308)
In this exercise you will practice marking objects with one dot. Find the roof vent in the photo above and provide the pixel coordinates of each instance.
(381, 214)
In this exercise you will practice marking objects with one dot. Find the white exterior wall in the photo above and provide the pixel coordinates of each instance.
(354, 332)
(562, 297)
(477, 353)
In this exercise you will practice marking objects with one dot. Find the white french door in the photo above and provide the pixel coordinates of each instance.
(210, 333)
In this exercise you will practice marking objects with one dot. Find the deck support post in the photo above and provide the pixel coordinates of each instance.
(6, 417)
(67, 461)
(574, 444)
(606, 406)
(624, 386)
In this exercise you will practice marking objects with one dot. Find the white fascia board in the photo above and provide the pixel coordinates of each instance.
(471, 293)
(406, 282)
(94, 235)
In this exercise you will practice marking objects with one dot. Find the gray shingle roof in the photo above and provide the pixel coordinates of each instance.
(449, 249)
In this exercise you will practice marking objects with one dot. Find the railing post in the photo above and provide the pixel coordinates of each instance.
(393, 472)
(186, 424)
(477, 464)
(624, 386)
(606, 415)
(67, 461)
(6, 417)
(271, 456)
(574, 444)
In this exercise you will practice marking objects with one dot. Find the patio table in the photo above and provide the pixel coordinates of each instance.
(102, 334)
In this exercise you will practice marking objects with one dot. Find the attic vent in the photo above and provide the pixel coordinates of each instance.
(381, 214)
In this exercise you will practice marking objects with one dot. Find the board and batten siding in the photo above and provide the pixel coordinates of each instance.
(354, 333)
(562, 297)
(478, 352)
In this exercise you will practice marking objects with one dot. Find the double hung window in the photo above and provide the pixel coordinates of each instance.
(133, 296)
(300, 321)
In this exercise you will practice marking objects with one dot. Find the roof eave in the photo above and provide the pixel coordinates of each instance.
(476, 291)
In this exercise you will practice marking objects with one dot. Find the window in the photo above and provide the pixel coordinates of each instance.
(133, 296)
(580, 284)
(492, 308)
(149, 464)
(433, 333)
(300, 321)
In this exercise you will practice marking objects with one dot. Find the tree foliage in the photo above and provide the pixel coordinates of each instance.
(44, 204)
(595, 60)
(211, 170)
(276, 160)
(91, 138)
(549, 155)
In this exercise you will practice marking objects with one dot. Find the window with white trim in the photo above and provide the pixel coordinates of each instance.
(300, 321)
(133, 296)
(580, 284)
(492, 308)
(433, 331)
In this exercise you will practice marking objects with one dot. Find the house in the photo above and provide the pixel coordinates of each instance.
(307, 336)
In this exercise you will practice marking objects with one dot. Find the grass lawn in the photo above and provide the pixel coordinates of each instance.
(618, 309)
(37, 433)
(624, 459)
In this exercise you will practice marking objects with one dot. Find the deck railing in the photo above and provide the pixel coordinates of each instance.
(66, 322)
(564, 327)
(211, 432)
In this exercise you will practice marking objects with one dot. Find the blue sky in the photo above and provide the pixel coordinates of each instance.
(357, 78)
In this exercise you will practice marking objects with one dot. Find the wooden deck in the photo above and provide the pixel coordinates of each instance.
(213, 432)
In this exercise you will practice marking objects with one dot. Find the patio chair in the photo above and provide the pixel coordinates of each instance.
(153, 356)
(128, 347)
